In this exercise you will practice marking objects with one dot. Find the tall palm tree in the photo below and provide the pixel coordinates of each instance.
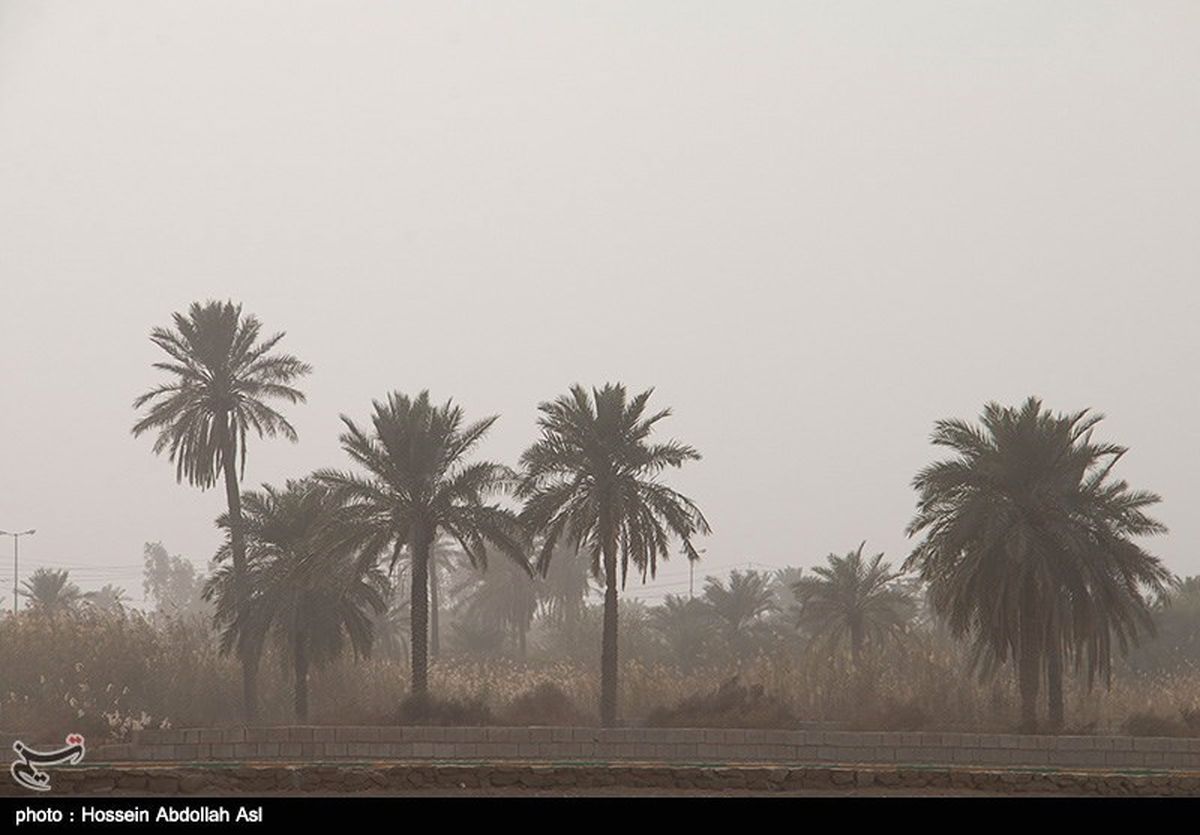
(1029, 545)
(419, 484)
(593, 479)
(739, 607)
(51, 592)
(852, 601)
(310, 588)
(223, 375)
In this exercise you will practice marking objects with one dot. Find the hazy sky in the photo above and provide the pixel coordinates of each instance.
(815, 228)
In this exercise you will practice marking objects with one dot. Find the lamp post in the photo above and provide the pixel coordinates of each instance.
(692, 574)
(16, 538)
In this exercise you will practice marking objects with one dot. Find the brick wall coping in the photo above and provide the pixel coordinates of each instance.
(666, 745)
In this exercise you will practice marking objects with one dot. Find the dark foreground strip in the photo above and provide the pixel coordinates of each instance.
(518, 777)
(696, 813)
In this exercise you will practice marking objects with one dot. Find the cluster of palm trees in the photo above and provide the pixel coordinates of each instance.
(591, 480)
(848, 607)
(51, 593)
(1028, 542)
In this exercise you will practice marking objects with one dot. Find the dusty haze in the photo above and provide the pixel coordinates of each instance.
(814, 227)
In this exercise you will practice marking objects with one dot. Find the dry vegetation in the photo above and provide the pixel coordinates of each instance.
(106, 674)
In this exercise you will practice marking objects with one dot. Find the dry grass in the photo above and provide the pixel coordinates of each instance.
(106, 676)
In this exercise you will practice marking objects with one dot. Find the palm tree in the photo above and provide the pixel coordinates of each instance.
(391, 626)
(502, 598)
(442, 563)
(852, 601)
(592, 479)
(310, 589)
(1029, 545)
(419, 484)
(51, 593)
(739, 607)
(564, 592)
(686, 626)
(108, 598)
(223, 376)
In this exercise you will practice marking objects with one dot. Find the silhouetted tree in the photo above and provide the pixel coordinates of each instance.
(1028, 544)
(687, 628)
(739, 606)
(108, 598)
(853, 602)
(172, 583)
(593, 480)
(503, 598)
(223, 376)
(51, 593)
(310, 588)
(564, 591)
(418, 484)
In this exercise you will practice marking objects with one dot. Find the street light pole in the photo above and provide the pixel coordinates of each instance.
(16, 538)
(692, 574)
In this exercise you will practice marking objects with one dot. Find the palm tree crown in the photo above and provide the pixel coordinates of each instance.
(739, 606)
(51, 592)
(592, 478)
(223, 376)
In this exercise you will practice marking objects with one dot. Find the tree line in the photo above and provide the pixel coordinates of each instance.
(1027, 543)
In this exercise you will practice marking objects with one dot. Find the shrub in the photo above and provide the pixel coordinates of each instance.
(545, 704)
(1151, 724)
(429, 710)
(732, 705)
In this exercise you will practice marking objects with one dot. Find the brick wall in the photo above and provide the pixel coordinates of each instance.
(666, 745)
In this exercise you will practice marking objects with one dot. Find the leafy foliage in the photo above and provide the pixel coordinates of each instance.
(224, 374)
(51, 593)
(1029, 543)
(852, 603)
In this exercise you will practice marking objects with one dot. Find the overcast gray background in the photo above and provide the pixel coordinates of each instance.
(814, 227)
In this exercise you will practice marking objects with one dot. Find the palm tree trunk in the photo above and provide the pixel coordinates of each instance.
(608, 644)
(301, 665)
(434, 608)
(237, 547)
(420, 615)
(1054, 684)
(522, 633)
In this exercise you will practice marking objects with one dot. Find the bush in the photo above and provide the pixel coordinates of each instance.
(732, 705)
(428, 710)
(1151, 724)
(545, 704)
